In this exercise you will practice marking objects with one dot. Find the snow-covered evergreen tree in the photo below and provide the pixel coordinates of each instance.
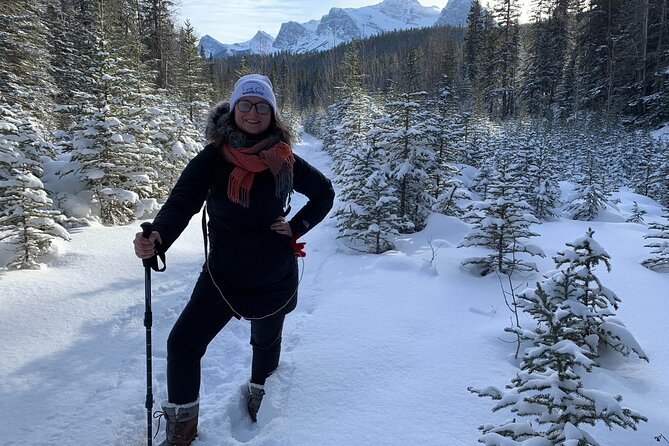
(514, 149)
(478, 134)
(659, 248)
(132, 105)
(483, 179)
(541, 176)
(27, 132)
(445, 133)
(316, 124)
(25, 76)
(333, 134)
(10, 154)
(563, 347)
(503, 59)
(411, 158)
(549, 388)
(71, 23)
(501, 224)
(64, 60)
(287, 91)
(473, 42)
(636, 215)
(159, 34)
(645, 157)
(589, 198)
(660, 188)
(547, 49)
(352, 114)
(613, 156)
(103, 154)
(405, 140)
(367, 217)
(193, 89)
(448, 202)
(602, 329)
(100, 159)
(177, 140)
(28, 222)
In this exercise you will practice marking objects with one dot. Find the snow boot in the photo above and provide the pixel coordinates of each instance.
(253, 399)
(181, 423)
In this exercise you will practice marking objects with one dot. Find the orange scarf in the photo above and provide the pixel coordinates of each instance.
(248, 161)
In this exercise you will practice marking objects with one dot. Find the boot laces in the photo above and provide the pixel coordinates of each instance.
(159, 414)
(177, 434)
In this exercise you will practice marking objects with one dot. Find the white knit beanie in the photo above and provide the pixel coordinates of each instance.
(253, 85)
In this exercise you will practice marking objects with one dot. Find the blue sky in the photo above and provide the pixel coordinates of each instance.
(233, 21)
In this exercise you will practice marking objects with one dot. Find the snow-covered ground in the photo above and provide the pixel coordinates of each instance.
(380, 350)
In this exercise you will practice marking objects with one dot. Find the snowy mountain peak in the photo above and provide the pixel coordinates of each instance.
(261, 42)
(400, 3)
(455, 12)
(262, 35)
(408, 11)
(389, 6)
(290, 34)
(211, 46)
(338, 26)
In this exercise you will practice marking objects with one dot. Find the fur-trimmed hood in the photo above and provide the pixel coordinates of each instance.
(221, 127)
(219, 123)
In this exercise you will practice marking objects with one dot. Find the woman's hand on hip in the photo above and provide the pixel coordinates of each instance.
(281, 226)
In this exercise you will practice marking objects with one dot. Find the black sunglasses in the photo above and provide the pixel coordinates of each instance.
(261, 107)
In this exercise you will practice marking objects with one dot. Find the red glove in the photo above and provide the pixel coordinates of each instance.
(298, 247)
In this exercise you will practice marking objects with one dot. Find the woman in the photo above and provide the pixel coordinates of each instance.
(246, 175)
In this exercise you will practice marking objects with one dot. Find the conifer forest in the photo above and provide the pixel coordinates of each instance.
(113, 94)
(104, 102)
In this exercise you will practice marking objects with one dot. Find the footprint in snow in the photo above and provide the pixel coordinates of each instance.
(277, 390)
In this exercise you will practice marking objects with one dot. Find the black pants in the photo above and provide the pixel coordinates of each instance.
(203, 318)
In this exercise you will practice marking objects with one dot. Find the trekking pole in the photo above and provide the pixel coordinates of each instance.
(151, 263)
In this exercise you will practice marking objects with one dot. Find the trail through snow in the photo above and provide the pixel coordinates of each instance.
(380, 350)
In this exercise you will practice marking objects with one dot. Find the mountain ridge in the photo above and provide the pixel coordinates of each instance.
(341, 25)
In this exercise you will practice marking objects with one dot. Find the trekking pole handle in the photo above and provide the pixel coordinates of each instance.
(146, 233)
(152, 262)
(147, 229)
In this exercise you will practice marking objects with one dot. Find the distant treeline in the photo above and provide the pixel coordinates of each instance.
(575, 59)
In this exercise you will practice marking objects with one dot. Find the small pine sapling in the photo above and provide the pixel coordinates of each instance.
(660, 248)
(549, 387)
(501, 223)
(582, 257)
(637, 214)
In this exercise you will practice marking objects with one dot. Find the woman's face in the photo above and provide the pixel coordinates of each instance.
(251, 121)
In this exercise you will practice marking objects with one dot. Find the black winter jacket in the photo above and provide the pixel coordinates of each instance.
(254, 267)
